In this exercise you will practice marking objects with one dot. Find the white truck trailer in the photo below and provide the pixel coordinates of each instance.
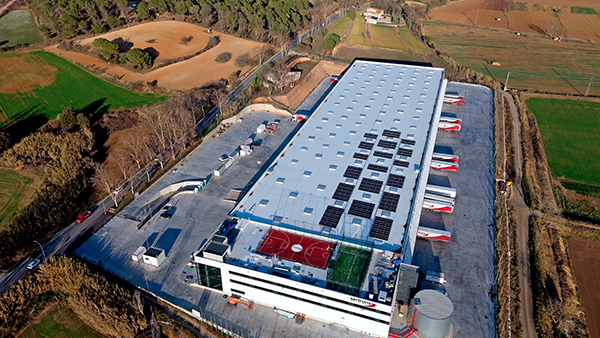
(438, 205)
(436, 277)
(439, 190)
(445, 157)
(449, 126)
(443, 165)
(436, 197)
(433, 234)
(450, 119)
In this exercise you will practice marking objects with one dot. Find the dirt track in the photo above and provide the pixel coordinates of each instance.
(523, 213)
(194, 72)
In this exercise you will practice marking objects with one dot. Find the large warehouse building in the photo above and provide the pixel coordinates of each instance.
(328, 231)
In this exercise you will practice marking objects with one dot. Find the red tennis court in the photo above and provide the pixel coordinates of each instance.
(297, 248)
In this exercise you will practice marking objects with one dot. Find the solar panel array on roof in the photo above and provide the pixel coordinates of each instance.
(369, 135)
(382, 154)
(353, 172)
(370, 185)
(391, 133)
(343, 192)
(331, 216)
(405, 152)
(396, 181)
(365, 145)
(401, 163)
(409, 142)
(387, 144)
(389, 202)
(361, 209)
(375, 167)
(361, 156)
(381, 228)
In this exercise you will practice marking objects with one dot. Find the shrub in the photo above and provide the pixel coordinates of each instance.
(223, 57)
(242, 60)
(106, 50)
(184, 40)
(331, 40)
(212, 42)
(137, 58)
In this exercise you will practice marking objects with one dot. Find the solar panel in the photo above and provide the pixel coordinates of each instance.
(360, 156)
(361, 209)
(365, 145)
(370, 185)
(381, 228)
(379, 168)
(369, 135)
(391, 133)
(401, 163)
(331, 216)
(353, 172)
(405, 152)
(382, 154)
(387, 144)
(343, 192)
(409, 142)
(396, 181)
(389, 202)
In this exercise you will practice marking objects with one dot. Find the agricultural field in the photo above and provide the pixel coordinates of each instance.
(340, 26)
(583, 10)
(585, 259)
(59, 322)
(15, 189)
(165, 40)
(37, 86)
(571, 133)
(535, 63)
(539, 19)
(18, 28)
(384, 41)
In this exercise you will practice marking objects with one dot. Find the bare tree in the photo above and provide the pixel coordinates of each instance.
(220, 97)
(137, 299)
(103, 179)
(278, 73)
(551, 28)
(156, 120)
(134, 143)
(123, 162)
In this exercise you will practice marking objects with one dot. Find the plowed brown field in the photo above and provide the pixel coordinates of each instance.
(24, 73)
(183, 75)
(484, 13)
(585, 258)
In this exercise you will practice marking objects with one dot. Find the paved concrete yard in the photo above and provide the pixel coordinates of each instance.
(468, 260)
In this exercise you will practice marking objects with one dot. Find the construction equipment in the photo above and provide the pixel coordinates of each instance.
(234, 300)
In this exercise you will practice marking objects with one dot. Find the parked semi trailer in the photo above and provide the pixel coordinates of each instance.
(445, 157)
(443, 165)
(433, 234)
(449, 126)
(436, 197)
(438, 205)
(450, 119)
(453, 97)
(439, 190)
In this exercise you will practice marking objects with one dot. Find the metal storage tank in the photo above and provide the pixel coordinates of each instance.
(432, 312)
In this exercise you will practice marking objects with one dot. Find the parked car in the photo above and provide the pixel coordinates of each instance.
(33, 264)
(169, 211)
(83, 216)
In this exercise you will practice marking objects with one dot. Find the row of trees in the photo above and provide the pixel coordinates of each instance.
(257, 19)
(105, 306)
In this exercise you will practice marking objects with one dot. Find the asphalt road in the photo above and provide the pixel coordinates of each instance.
(64, 242)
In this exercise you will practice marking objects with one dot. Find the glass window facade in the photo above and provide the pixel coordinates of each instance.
(209, 276)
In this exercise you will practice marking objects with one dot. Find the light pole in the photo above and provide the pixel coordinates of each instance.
(102, 199)
(41, 247)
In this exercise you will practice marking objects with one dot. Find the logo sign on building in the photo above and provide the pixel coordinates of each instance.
(362, 302)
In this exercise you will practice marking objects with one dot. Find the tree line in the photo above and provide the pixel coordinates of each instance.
(257, 19)
(105, 306)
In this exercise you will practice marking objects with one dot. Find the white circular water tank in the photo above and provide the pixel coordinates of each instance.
(432, 313)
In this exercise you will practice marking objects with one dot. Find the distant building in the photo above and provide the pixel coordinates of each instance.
(374, 16)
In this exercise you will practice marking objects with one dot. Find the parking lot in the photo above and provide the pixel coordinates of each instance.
(468, 259)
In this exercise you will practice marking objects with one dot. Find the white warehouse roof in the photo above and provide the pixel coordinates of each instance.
(351, 172)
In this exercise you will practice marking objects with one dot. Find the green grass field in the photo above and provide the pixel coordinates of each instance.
(415, 45)
(18, 28)
(71, 87)
(536, 63)
(14, 189)
(59, 322)
(350, 267)
(571, 134)
(583, 10)
(340, 26)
